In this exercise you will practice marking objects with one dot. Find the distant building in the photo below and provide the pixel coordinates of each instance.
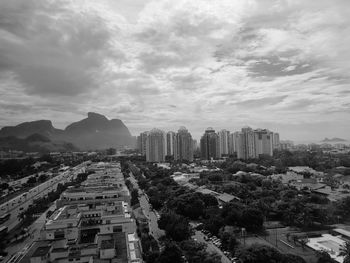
(183, 145)
(224, 142)
(245, 144)
(251, 143)
(286, 145)
(276, 140)
(155, 146)
(209, 144)
(263, 140)
(195, 145)
(232, 142)
(141, 142)
(170, 143)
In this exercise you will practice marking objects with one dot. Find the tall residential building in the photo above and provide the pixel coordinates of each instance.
(156, 146)
(251, 143)
(195, 145)
(224, 142)
(210, 146)
(276, 140)
(245, 144)
(183, 145)
(232, 142)
(170, 143)
(263, 142)
(141, 142)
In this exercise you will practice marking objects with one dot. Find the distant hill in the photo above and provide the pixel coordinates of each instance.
(93, 132)
(34, 143)
(97, 132)
(333, 140)
(23, 130)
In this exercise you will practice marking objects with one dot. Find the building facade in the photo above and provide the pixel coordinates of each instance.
(170, 143)
(156, 146)
(209, 145)
(224, 136)
(142, 142)
(183, 145)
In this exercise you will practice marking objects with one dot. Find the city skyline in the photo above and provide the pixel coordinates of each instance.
(280, 65)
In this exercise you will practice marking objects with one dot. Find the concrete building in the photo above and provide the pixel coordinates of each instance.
(250, 144)
(170, 143)
(245, 144)
(93, 226)
(224, 136)
(106, 183)
(232, 143)
(156, 146)
(142, 142)
(209, 144)
(183, 145)
(276, 140)
(263, 142)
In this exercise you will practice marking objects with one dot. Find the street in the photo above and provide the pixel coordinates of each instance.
(150, 214)
(20, 203)
(21, 247)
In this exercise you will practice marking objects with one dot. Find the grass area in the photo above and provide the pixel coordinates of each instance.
(277, 238)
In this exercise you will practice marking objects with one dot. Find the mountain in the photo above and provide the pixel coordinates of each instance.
(23, 130)
(93, 132)
(333, 140)
(97, 132)
(34, 143)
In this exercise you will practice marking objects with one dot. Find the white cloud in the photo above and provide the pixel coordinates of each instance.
(221, 64)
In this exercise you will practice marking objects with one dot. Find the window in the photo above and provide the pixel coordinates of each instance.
(117, 229)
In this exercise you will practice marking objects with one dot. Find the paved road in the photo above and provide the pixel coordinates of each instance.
(20, 203)
(150, 214)
(34, 230)
(210, 246)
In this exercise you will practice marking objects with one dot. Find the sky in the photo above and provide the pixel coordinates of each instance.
(277, 64)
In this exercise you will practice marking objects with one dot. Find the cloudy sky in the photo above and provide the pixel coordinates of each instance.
(282, 65)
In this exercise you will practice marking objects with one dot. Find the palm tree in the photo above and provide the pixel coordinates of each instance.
(345, 252)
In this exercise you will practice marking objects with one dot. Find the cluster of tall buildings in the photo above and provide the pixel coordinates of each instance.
(156, 144)
(247, 143)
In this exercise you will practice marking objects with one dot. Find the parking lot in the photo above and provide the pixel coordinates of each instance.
(213, 245)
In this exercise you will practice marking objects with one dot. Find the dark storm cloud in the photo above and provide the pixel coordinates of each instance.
(51, 48)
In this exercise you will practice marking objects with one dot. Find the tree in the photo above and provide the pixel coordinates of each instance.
(31, 180)
(134, 197)
(324, 257)
(175, 226)
(171, 254)
(345, 252)
(303, 242)
(290, 258)
(252, 219)
(42, 178)
(259, 254)
(196, 252)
